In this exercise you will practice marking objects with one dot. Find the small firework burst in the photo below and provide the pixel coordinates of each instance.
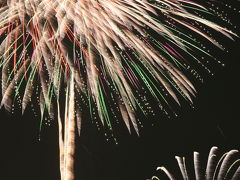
(218, 167)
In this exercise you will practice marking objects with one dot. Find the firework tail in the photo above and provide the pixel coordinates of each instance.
(67, 138)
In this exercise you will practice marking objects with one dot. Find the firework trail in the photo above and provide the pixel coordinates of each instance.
(218, 167)
(99, 52)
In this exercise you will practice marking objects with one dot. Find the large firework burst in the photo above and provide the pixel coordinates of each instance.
(99, 52)
(218, 167)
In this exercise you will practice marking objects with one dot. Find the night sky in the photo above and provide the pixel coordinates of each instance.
(213, 122)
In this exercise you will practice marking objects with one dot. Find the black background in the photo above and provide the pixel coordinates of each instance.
(213, 122)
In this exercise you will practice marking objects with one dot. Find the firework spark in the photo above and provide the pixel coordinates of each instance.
(218, 167)
(99, 50)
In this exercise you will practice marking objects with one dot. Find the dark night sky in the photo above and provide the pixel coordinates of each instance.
(214, 121)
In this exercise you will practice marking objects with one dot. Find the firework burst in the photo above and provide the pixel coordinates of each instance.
(218, 167)
(99, 52)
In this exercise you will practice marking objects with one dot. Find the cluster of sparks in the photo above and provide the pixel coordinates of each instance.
(218, 167)
(106, 45)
